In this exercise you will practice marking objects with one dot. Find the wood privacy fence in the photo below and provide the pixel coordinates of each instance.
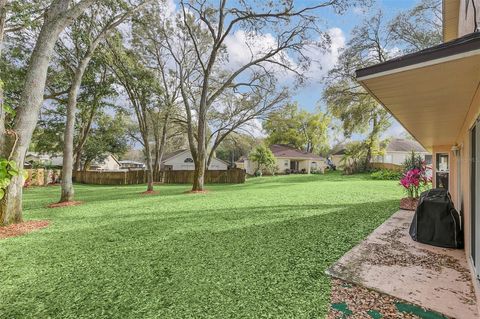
(233, 176)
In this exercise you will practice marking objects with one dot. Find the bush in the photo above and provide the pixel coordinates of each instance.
(386, 174)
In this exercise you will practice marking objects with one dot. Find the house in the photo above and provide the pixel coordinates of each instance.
(182, 160)
(398, 150)
(34, 159)
(127, 164)
(110, 163)
(287, 159)
(337, 157)
(435, 95)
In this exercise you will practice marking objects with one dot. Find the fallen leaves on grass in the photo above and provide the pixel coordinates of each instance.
(22, 228)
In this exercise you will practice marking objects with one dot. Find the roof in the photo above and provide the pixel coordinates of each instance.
(404, 145)
(281, 150)
(462, 45)
(172, 154)
(130, 162)
(340, 152)
(168, 156)
(242, 159)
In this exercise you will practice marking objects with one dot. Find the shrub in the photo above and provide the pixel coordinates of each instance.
(386, 174)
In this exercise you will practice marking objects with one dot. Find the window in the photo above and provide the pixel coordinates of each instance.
(188, 160)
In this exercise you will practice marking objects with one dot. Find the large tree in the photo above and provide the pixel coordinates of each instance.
(59, 15)
(198, 44)
(142, 89)
(374, 41)
(299, 128)
(83, 39)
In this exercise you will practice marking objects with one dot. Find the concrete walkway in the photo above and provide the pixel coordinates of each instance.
(390, 262)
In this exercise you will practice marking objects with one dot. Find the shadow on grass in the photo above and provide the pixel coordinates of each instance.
(221, 264)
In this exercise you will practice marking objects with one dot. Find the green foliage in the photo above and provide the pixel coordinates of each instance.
(189, 255)
(413, 161)
(235, 145)
(299, 128)
(8, 170)
(108, 137)
(264, 159)
(386, 174)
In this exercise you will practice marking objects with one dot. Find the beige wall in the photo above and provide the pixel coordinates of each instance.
(461, 191)
(178, 163)
(466, 22)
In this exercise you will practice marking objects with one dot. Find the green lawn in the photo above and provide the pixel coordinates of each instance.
(257, 250)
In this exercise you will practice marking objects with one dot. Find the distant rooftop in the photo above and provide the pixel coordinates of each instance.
(281, 150)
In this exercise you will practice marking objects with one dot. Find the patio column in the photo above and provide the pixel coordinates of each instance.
(309, 163)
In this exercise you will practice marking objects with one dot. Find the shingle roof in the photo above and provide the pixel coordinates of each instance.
(404, 145)
(280, 150)
(172, 154)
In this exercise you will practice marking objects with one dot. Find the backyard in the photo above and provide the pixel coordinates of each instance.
(254, 250)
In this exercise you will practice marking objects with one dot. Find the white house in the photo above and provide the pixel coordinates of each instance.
(287, 160)
(399, 149)
(127, 164)
(110, 163)
(182, 160)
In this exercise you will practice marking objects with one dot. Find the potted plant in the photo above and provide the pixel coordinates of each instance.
(414, 181)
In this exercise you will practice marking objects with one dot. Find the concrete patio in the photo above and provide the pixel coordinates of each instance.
(390, 262)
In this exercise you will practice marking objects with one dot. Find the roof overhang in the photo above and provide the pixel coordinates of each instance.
(429, 92)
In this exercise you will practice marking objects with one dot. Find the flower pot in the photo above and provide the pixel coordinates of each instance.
(408, 203)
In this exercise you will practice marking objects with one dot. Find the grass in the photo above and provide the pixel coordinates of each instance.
(257, 250)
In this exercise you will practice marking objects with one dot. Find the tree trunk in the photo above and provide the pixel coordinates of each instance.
(78, 160)
(200, 161)
(149, 167)
(3, 16)
(57, 18)
(68, 192)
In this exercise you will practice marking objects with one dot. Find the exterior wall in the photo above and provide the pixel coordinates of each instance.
(282, 164)
(337, 161)
(177, 163)
(460, 179)
(109, 164)
(397, 158)
(466, 21)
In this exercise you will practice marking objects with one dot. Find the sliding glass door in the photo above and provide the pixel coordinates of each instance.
(475, 199)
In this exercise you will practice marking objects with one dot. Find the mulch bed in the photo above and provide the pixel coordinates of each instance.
(408, 203)
(150, 193)
(65, 204)
(352, 301)
(15, 230)
(197, 192)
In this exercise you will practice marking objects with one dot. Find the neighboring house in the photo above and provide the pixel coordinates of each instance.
(36, 159)
(288, 159)
(182, 160)
(110, 163)
(131, 165)
(337, 158)
(435, 95)
(398, 150)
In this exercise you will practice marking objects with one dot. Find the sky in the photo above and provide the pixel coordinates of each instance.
(340, 26)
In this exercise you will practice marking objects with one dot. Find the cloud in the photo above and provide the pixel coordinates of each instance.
(323, 60)
(243, 47)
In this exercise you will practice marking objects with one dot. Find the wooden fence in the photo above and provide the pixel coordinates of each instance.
(233, 176)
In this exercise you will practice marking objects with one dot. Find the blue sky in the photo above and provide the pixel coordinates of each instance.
(309, 97)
